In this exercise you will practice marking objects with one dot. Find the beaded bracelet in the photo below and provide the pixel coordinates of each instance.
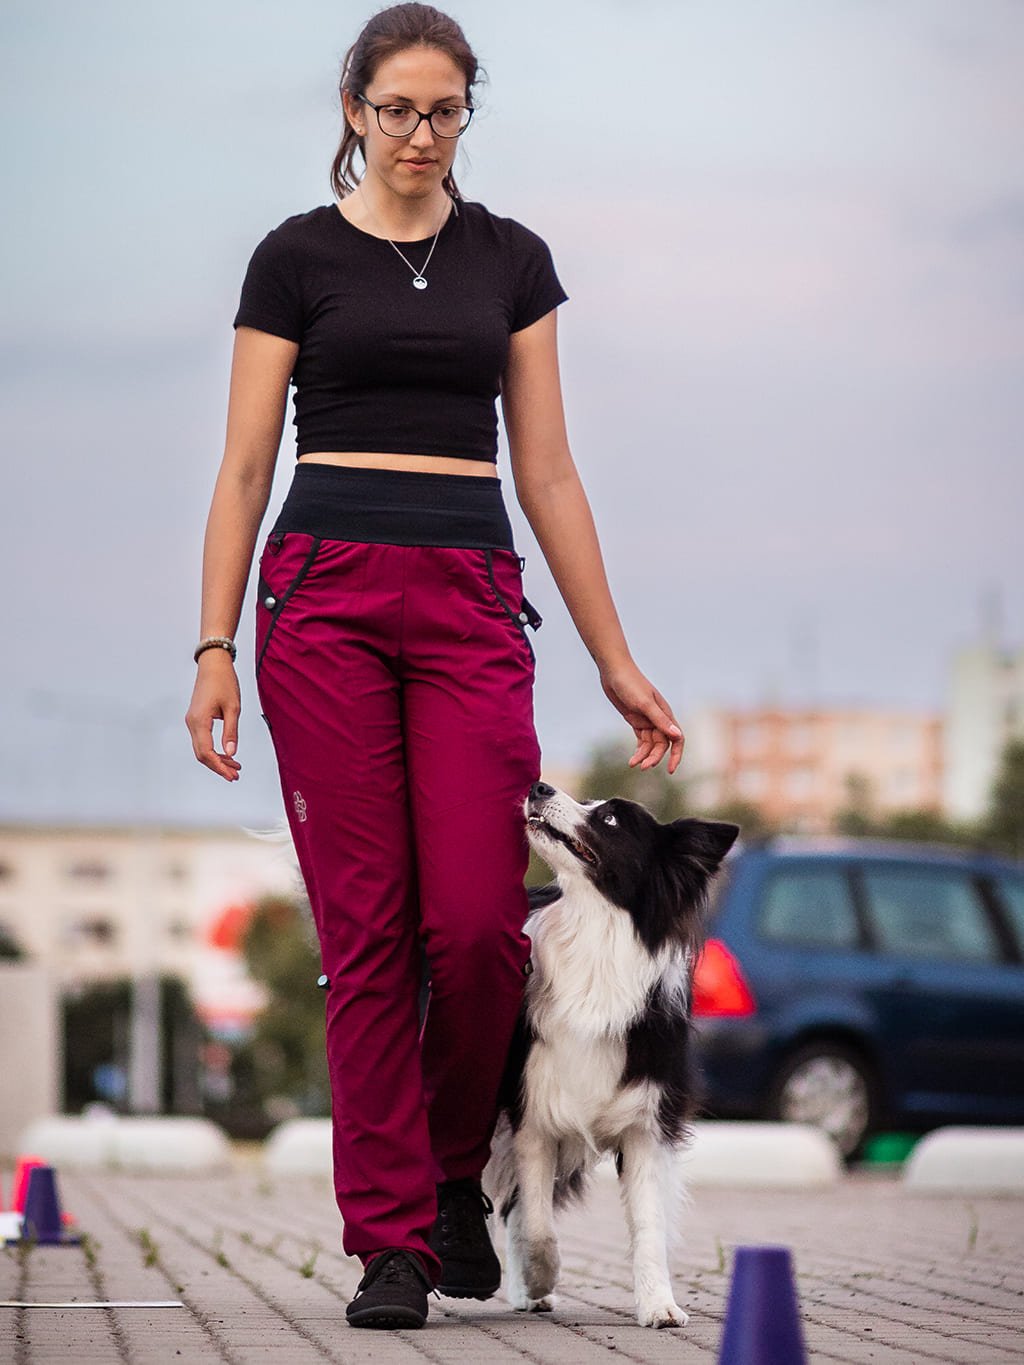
(216, 642)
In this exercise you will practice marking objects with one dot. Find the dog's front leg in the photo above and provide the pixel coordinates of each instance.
(648, 1184)
(532, 1250)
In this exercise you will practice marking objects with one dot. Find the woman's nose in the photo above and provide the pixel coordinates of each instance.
(424, 135)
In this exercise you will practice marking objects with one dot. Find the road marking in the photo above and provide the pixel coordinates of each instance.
(86, 1303)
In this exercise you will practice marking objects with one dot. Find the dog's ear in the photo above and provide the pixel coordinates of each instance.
(706, 841)
(688, 855)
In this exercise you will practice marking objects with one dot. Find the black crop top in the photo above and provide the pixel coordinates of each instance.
(383, 365)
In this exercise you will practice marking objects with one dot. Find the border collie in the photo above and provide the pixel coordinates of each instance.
(601, 1059)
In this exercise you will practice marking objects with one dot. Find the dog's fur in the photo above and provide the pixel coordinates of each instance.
(601, 1062)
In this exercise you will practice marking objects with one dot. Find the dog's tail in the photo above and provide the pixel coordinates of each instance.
(500, 1181)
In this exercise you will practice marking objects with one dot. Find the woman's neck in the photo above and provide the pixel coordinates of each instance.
(378, 211)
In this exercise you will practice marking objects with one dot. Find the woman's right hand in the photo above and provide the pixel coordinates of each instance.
(215, 697)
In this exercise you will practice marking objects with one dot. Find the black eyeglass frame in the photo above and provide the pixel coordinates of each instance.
(448, 137)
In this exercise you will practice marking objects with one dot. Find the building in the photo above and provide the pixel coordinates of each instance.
(92, 904)
(800, 766)
(985, 709)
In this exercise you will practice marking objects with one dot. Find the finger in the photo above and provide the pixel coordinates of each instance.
(661, 717)
(675, 757)
(644, 739)
(230, 731)
(658, 749)
(674, 728)
(203, 748)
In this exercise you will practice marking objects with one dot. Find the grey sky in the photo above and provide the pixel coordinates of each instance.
(792, 355)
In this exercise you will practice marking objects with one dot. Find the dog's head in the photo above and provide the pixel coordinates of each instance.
(658, 873)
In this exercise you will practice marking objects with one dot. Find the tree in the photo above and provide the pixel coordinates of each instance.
(856, 817)
(753, 822)
(1003, 823)
(609, 774)
(282, 1067)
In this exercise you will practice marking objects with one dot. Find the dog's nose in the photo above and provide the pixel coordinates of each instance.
(541, 789)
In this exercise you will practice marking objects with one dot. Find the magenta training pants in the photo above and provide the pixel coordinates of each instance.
(397, 683)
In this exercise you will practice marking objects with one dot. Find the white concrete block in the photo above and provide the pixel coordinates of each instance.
(775, 1155)
(765, 1155)
(299, 1147)
(967, 1161)
(160, 1145)
(795, 1156)
(166, 1145)
(70, 1143)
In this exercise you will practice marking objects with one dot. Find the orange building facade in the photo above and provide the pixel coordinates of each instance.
(800, 767)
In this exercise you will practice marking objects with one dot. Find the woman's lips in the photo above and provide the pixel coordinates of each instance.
(417, 165)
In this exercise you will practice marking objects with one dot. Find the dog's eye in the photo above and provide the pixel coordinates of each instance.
(609, 819)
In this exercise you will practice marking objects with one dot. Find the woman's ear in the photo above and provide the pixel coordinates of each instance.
(353, 113)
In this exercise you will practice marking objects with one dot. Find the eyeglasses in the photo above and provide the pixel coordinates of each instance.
(399, 120)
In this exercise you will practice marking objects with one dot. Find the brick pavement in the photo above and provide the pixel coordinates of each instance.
(883, 1276)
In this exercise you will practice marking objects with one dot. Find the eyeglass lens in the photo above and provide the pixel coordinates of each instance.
(399, 120)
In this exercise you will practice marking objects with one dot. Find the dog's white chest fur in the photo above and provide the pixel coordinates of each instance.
(592, 981)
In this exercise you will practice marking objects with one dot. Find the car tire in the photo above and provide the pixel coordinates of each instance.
(831, 1085)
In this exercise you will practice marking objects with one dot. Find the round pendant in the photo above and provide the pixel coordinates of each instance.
(419, 282)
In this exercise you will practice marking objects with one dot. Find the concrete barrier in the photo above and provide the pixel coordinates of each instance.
(751, 1155)
(794, 1156)
(299, 1147)
(967, 1161)
(160, 1145)
(761, 1155)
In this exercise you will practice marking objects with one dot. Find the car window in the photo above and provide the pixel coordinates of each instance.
(717, 890)
(929, 913)
(1011, 893)
(810, 906)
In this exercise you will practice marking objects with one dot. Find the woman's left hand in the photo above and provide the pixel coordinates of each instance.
(647, 711)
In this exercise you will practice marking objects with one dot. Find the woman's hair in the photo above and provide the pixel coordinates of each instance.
(388, 32)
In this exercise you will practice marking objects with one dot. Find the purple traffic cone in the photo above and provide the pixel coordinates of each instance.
(41, 1222)
(762, 1320)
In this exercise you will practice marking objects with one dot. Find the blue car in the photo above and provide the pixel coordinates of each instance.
(861, 985)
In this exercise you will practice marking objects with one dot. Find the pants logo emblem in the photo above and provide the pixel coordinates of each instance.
(299, 802)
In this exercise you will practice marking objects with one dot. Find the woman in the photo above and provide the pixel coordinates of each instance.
(393, 665)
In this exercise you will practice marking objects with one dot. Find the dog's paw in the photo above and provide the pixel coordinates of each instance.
(541, 1264)
(661, 1313)
(522, 1303)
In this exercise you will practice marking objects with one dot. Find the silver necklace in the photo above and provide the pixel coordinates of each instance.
(418, 276)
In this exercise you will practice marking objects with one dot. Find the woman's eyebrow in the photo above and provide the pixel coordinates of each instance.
(389, 98)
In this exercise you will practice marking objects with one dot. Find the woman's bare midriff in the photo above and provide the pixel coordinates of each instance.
(377, 459)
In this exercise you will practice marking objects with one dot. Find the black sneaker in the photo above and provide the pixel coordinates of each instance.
(470, 1269)
(392, 1293)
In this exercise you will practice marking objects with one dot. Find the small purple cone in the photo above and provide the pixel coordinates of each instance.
(762, 1320)
(42, 1220)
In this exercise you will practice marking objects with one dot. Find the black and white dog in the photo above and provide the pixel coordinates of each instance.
(601, 1062)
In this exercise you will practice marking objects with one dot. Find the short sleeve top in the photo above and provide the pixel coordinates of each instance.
(383, 365)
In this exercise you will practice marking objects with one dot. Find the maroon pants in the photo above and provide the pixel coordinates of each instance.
(397, 683)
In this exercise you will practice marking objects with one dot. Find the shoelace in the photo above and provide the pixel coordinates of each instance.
(460, 1216)
(395, 1267)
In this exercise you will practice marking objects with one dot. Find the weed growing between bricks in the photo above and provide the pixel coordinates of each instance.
(150, 1250)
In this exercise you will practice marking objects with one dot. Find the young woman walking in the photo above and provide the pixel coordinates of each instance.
(393, 664)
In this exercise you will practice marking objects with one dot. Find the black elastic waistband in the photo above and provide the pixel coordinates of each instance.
(396, 506)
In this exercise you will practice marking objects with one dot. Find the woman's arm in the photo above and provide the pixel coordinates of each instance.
(260, 370)
(551, 495)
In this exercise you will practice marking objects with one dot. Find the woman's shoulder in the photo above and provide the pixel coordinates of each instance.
(301, 227)
(511, 231)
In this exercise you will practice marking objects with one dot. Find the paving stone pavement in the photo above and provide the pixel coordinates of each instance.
(883, 1276)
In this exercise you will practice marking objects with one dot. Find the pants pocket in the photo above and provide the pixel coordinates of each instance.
(271, 600)
(519, 611)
